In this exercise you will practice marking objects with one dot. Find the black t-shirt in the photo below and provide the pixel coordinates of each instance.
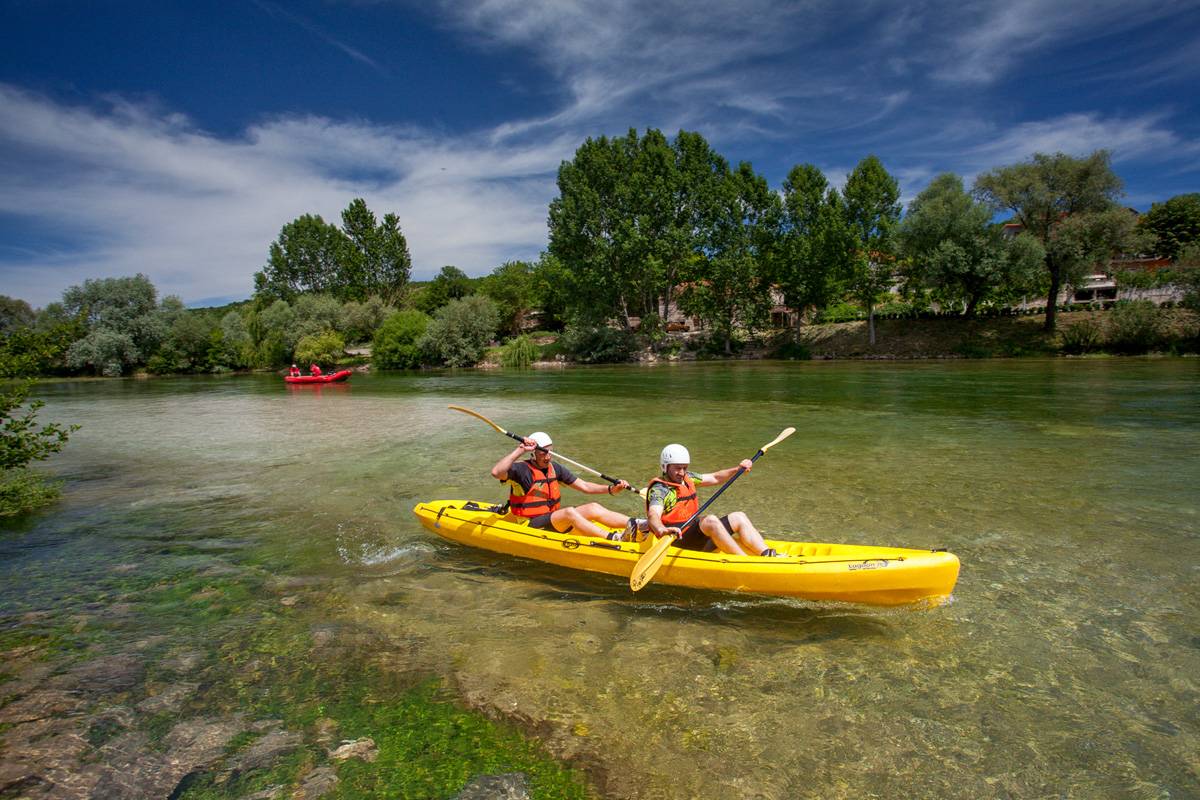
(520, 474)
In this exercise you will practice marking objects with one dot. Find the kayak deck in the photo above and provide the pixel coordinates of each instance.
(884, 576)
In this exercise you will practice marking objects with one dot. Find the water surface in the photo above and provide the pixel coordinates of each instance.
(1067, 663)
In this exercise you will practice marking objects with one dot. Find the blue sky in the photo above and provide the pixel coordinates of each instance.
(175, 139)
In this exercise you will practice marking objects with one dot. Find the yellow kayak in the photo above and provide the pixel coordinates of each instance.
(879, 576)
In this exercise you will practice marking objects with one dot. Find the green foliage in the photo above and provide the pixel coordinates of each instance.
(396, 342)
(123, 324)
(360, 320)
(632, 215)
(841, 312)
(22, 491)
(450, 284)
(1084, 336)
(313, 256)
(519, 353)
(812, 254)
(956, 254)
(379, 261)
(598, 344)
(21, 440)
(14, 314)
(460, 331)
(28, 352)
(1069, 205)
(511, 285)
(1174, 225)
(1188, 278)
(325, 347)
(730, 284)
(1134, 327)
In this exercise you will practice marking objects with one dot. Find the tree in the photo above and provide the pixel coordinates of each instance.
(460, 331)
(122, 322)
(1067, 204)
(14, 313)
(1174, 224)
(631, 215)
(380, 262)
(872, 217)
(813, 254)
(731, 285)
(396, 342)
(511, 285)
(449, 284)
(308, 256)
(954, 249)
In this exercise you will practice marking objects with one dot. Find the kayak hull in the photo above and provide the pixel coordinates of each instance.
(879, 576)
(336, 377)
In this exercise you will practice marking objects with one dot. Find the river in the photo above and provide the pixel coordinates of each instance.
(1066, 664)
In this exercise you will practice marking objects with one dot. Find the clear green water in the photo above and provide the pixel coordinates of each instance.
(1068, 663)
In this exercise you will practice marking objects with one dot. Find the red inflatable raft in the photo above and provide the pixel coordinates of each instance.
(336, 377)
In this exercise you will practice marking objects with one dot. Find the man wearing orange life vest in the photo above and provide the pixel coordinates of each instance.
(671, 501)
(534, 495)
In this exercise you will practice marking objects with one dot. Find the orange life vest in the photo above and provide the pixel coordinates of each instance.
(542, 496)
(686, 503)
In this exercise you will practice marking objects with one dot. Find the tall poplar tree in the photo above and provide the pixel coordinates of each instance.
(872, 216)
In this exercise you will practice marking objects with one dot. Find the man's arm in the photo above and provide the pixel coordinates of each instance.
(587, 487)
(720, 476)
(500, 471)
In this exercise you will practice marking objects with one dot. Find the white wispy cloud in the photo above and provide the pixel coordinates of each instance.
(143, 192)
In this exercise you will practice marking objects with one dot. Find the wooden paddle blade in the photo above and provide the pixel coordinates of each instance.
(785, 434)
(649, 563)
(477, 415)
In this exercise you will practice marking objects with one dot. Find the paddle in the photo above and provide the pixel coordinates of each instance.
(557, 454)
(652, 559)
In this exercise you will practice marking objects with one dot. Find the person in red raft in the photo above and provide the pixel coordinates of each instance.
(315, 370)
(534, 494)
(294, 372)
(671, 501)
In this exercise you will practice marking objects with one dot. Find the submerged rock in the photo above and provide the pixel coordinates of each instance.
(509, 786)
(267, 750)
(316, 784)
(359, 748)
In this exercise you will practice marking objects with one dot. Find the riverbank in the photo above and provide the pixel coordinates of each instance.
(1178, 332)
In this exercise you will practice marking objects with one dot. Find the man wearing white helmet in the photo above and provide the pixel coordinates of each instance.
(534, 495)
(671, 501)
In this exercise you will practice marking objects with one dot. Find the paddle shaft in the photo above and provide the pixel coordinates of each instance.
(521, 439)
(652, 559)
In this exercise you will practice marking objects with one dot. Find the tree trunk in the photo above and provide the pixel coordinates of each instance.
(1052, 299)
(871, 323)
(969, 312)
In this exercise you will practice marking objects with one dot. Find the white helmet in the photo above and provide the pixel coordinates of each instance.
(541, 438)
(674, 454)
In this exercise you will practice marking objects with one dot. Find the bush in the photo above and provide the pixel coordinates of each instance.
(789, 348)
(22, 491)
(360, 321)
(598, 344)
(460, 332)
(1083, 336)
(395, 344)
(841, 312)
(1134, 327)
(327, 347)
(519, 353)
(21, 442)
